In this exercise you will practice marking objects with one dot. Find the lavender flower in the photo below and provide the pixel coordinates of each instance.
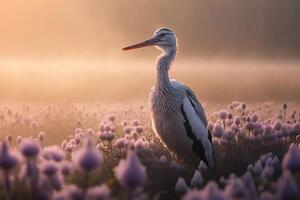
(223, 114)
(254, 117)
(181, 186)
(202, 166)
(49, 168)
(8, 160)
(212, 192)
(30, 148)
(136, 122)
(218, 131)
(98, 193)
(88, 158)
(53, 153)
(197, 179)
(237, 121)
(130, 172)
(66, 168)
(267, 172)
(257, 169)
(228, 135)
(287, 188)
(266, 196)
(193, 195)
(291, 160)
(277, 126)
(249, 185)
(139, 129)
(235, 189)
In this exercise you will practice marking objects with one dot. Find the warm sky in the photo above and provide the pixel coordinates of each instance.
(99, 27)
(68, 49)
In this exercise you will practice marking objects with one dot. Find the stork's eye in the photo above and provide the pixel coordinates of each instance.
(162, 35)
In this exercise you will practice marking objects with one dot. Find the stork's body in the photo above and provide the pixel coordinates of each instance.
(177, 116)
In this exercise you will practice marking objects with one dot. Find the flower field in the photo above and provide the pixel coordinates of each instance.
(100, 151)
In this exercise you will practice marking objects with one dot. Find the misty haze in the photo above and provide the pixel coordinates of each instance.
(72, 50)
(149, 100)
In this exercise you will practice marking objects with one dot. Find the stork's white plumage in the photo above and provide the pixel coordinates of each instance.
(177, 116)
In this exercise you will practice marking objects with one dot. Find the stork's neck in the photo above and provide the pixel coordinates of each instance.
(162, 68)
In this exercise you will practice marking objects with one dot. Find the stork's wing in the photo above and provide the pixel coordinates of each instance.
(193, 99)
(195, 123)
(197, 132)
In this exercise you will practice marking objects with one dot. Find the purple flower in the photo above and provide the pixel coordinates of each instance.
(228, 135)
(222, 114)
(296, 128)
(235, 128)
(275, 161)
(254, 117)
(235, 189)
(136, 122)
(181, 186)
(286, 129)
(277, 126)
(244, 106)
(139, 129)
(98, 193)
(284, 106)
(193, 195)
(249, 185)
(212, 192)
(210, 126)
(120, 143)
(257, 169)
(266, 196)
(291, 160)
(112, 118)
(66, 167)
(287, 188)
(8, 160)
(218, 131)
(250, 125)
(49, 168)
(53, 153)
(107, 135)
(90, 132)
(267, 172)
(130, 172)
(30, 148)
(74, 192)
(202, 166)
(140, 145)
(88, 158)
(197, 179)
(237, 121)
(127, 129)
(268, 129)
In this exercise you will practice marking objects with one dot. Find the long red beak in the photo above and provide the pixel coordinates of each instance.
(146, 43)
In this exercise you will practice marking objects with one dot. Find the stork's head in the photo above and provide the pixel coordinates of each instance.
(163, 38)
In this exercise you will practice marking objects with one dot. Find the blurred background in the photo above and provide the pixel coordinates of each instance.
(53, 50)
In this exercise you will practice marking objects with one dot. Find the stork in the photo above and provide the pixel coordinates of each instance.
(178, 118)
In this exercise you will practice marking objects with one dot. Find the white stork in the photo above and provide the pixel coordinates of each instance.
(177, 116)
